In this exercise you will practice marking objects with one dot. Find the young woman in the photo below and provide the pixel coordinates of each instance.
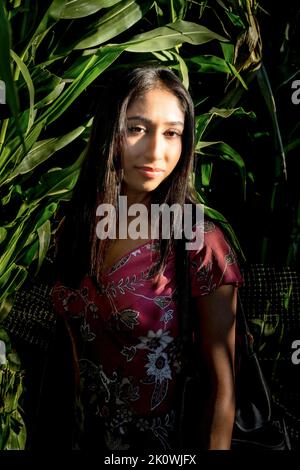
(119, 296)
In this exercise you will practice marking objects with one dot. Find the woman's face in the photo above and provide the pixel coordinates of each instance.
(153, 144)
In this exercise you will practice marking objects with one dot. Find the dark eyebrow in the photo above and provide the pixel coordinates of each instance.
(148, 121)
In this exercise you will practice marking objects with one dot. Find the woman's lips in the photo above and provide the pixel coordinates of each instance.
(150, 172)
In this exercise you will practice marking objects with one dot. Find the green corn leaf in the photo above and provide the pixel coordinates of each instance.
(159, 13)
(147, 42)
(163, 56)
(210, 64)
(81, 8)
(15, 365)
(238, 75)
(213, 64)
(12, 280)
(206, 172)
(226, 152)
(44, 214)
(44, 234)
(12, 249)
(115, 22)
(5, 62)
(9, 148)
(14, 192)
(51, 97)
(19, 229)
(178, 9)
(55, 182)
(236, 20)
(52, 15)
(42, 27)
(5, 338)
(44, 80)
(203, 121)
(5, 308)
(225, 113)
(4, 427)
(268, 96)
(201, 125)
(29, 252)
(25, 227)
(292, 145)
(24, 71)
(43, 150)
(47, 85)
(214, 214)
(96, 65)
(172, 35)
(3, 234)
(14, 158)
(184, 71)
(6, 74)
(78, 66)
(228, 52)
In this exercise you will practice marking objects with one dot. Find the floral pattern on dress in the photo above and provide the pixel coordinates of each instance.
(126, 333)
(155, 340)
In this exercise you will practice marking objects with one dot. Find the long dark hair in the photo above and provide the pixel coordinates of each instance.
(80, 251)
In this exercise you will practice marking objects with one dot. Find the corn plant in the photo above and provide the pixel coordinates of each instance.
(12, 429)
(52, 55)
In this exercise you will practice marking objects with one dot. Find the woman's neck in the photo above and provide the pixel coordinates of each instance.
(137, 198)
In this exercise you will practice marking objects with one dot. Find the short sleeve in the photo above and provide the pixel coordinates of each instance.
(214, 264)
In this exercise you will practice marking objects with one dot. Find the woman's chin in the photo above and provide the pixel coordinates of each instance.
(145, 188)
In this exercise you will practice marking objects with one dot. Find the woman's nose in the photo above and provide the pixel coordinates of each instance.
(156, 146)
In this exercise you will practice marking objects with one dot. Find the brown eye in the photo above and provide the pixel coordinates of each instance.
(173, 133)
(135, 130)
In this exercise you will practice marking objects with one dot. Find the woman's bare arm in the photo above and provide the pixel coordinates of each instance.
(216, 314)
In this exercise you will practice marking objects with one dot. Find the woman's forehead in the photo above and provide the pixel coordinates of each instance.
(157, 102)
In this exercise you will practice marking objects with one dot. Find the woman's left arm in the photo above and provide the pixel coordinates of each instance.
(216, 315)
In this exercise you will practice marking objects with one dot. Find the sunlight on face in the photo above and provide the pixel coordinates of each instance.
(153, 145)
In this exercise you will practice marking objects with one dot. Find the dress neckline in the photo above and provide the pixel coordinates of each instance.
(107, 271)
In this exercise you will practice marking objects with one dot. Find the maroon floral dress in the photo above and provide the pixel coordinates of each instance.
(126, 333)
